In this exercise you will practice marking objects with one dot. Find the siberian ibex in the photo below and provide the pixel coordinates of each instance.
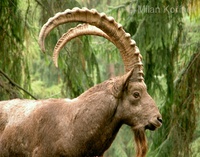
(87, 125)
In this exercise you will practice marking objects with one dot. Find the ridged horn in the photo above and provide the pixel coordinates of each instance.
(129, 51)
(81, 29)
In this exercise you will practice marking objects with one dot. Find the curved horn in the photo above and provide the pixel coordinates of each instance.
(81, 29)
(129, 51)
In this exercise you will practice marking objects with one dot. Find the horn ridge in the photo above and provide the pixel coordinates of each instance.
(85, 29)
(107, 24)
(81, 29)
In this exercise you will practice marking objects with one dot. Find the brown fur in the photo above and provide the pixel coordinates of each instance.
(141, 142)
(85, 126)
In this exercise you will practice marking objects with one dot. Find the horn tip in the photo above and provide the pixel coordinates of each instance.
(55, 62)
(41, 45)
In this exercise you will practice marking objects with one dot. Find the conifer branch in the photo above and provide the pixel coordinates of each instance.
(16, 85)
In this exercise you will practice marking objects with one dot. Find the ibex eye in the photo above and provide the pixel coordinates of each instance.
(136, 95)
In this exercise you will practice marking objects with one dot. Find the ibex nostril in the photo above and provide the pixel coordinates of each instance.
(159, 119)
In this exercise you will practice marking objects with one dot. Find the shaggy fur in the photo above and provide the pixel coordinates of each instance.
(81, 127)
(141, 142)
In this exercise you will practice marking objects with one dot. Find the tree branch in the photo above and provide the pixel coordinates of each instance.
(16, 85)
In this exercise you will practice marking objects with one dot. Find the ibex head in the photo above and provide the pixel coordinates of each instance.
(136, 108)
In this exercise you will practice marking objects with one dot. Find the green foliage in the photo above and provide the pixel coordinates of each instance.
(195, 148)
(123, 144)
(12, 60)
(42, 91)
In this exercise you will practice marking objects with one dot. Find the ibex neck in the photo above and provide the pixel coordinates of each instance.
(96, 122)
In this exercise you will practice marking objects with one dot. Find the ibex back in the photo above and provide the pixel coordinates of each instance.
(87, 125)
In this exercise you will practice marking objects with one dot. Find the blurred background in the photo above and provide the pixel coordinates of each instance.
(167, 34)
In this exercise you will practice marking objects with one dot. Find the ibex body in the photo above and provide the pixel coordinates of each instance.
(87, 125)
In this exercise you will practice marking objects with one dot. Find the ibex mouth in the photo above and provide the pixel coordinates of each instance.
(154, 124)
(150, 127)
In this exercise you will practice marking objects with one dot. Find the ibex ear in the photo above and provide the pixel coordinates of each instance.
(120, 84)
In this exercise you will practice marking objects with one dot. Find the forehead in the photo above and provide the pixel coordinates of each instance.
(137, 86)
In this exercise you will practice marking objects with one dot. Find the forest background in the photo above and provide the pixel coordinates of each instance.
(167, 34)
